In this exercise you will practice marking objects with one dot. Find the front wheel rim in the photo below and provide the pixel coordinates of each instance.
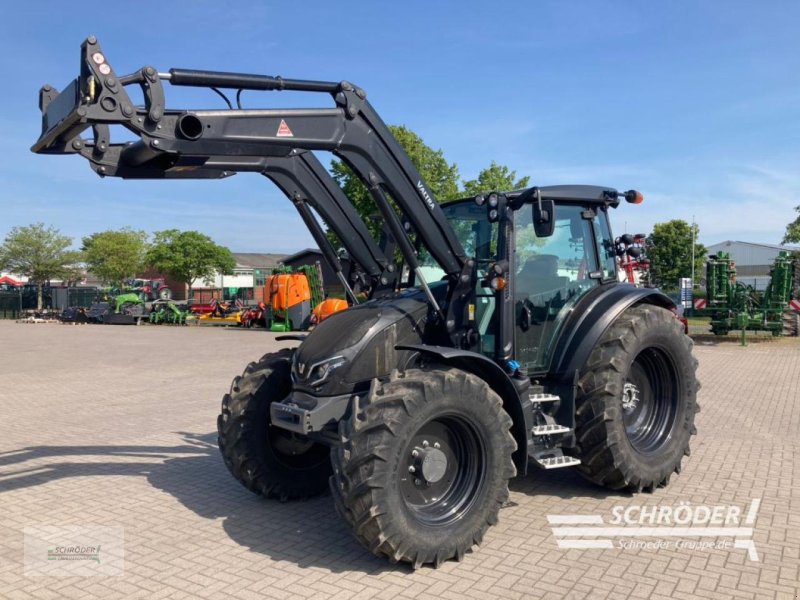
(443, 470)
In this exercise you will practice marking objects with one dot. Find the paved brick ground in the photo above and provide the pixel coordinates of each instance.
(114, 426)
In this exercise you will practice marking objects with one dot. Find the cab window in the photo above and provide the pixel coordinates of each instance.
(479, 238)
(605, 245)
(552, 273)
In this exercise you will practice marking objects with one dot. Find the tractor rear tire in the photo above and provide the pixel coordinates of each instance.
(423, 465)
(268, 460)
(637, 399)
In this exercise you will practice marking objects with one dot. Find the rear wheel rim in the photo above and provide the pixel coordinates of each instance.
(443, 470)
(650, 400)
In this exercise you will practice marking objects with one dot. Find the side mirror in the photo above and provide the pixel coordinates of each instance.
(544, 217)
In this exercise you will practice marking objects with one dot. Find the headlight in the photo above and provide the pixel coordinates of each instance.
(318, 372)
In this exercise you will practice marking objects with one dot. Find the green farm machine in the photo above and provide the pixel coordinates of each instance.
(733, 305)
(166, 312)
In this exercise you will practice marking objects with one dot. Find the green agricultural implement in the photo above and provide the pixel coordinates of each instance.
(315, 284)
(733, 305)
(169, 313)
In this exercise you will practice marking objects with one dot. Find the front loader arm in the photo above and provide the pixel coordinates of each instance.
(196, 144)
(176, 143)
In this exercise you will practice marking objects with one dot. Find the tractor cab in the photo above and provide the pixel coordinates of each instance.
(547, 270)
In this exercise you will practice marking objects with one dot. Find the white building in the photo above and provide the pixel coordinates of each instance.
(250, 271)
(753, 261)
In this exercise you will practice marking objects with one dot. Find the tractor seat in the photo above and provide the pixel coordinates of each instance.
(539, 275)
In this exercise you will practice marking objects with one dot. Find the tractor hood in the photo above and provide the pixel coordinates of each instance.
(356, 345)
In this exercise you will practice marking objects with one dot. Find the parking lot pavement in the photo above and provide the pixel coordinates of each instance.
(114, 426)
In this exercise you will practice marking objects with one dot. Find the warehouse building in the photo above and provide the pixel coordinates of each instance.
(248, 276)
(753, 261)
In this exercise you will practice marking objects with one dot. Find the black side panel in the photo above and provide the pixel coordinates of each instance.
(364, 338)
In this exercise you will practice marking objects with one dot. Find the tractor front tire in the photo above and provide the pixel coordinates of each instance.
(636, 404)
(268, 460)
(423, 465)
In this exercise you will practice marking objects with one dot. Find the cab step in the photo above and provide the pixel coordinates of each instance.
(554, 459)
(543, 398)
(550, 429)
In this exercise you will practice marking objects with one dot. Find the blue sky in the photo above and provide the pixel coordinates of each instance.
(694, 103)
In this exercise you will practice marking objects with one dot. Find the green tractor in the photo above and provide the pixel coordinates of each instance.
(128, 309)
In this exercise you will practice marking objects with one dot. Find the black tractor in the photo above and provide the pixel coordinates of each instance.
(502, 339)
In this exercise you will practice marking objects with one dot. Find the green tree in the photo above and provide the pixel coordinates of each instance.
(115, 256)
(441, 176)
(669, 249)
(188, 255)
(792, 235)
(40, 253)
(495, 178)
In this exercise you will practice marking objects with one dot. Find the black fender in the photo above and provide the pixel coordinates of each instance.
(517, 407)
(591, 318)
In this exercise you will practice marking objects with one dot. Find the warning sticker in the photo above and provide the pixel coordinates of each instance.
(283, 130)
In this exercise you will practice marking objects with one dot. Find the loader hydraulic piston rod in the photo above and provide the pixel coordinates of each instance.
(303, 179)
(325, 246)
(396, 229)
(245, 81)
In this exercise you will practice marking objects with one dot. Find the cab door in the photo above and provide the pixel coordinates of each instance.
(551, 275)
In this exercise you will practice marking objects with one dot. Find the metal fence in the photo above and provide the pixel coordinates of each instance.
(10, 305)
(14, 301)
(77, 297)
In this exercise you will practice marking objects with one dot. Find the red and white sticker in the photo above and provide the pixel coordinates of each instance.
(794, 304)
(283, 130)
(700, 303)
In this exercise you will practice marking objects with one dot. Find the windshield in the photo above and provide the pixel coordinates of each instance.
(472, 228)
(479, 239)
